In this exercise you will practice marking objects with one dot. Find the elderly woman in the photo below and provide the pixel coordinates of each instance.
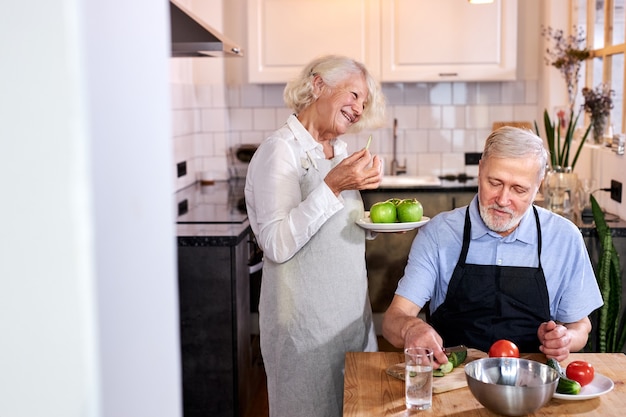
(302, 196)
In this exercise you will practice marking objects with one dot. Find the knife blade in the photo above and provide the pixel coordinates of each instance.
(450, 350)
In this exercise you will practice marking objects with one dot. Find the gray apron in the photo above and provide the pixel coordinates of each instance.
(313, 309)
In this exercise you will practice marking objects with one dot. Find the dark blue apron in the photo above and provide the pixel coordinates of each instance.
(486, 303)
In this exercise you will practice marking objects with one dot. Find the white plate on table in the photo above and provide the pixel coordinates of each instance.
(366, 223)
(599, 386)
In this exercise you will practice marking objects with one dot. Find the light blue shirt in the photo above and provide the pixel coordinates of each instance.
(571, 282)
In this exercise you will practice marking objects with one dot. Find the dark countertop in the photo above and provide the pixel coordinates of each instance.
(588, 227)
(211, 215)
(445, 185)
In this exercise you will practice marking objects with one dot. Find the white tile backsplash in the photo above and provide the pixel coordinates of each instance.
(513, 93)
(214, 120)
(440, 140)
(264, 119)
(437, 122)
(501, 113)
(489, 93)
(440, 94)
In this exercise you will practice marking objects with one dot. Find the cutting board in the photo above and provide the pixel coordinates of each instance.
(453, 380)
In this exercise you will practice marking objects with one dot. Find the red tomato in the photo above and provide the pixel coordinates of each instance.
(503, 349)
(580, 371)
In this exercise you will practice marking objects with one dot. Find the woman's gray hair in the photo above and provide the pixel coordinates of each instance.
(513, 142)
(334, 69)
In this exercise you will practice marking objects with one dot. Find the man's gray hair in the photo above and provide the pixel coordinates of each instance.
(513, 142)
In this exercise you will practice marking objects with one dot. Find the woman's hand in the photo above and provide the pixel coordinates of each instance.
(359, 171)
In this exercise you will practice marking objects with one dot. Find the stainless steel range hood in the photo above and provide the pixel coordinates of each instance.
(192, 37)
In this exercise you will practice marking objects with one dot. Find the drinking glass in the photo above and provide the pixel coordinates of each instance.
(418, 378)
(585, 187)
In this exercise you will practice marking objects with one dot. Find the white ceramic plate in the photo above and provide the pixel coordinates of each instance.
(599, 386)
(366, 223)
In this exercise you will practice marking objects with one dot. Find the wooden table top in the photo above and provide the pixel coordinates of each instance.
(369, 391)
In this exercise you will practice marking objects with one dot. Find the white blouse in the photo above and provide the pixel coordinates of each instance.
(282, 221)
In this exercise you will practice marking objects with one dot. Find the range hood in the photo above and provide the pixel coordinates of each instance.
(192, 37)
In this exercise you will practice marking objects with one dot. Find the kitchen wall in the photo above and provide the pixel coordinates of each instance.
(215, 109)
(437, 122)
(88, 288)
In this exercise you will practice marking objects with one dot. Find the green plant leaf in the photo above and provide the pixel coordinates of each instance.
(560, 145)
(549, 128)
(611, 329)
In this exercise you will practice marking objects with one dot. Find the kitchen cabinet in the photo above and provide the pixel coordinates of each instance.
(398, 40)
(284, 35)
(448, 40)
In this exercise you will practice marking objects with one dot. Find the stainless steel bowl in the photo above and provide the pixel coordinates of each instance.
(511, 386)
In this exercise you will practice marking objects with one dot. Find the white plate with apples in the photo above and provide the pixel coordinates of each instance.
(367, 223)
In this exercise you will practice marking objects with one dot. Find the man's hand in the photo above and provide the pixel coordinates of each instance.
(403, 329)
(555, 340)
(558, 340)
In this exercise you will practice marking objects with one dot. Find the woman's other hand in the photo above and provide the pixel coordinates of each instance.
(359, 171)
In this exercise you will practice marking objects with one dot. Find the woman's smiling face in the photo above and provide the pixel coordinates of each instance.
(341, 106)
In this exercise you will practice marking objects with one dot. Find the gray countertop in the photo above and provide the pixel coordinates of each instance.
(214, 215)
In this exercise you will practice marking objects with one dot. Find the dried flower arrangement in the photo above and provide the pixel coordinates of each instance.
(598, 101)
(567, 55)
(598, 104)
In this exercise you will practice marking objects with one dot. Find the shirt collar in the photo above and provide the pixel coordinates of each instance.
(302, 135)
(526, 231)
(306, 140)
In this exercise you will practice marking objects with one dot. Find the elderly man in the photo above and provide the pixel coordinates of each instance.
(499, 268)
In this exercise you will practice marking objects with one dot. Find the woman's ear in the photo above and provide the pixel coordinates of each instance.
(318, 85)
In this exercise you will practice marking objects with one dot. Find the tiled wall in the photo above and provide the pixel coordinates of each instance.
(437, 122)
(437, 125)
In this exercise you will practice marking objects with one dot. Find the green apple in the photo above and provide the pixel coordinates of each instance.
(383, 212)
(410, 210)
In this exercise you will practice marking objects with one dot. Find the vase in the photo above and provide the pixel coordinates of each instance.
(560, 184)
(599, 128)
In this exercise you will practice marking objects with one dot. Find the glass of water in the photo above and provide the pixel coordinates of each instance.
(418, 378)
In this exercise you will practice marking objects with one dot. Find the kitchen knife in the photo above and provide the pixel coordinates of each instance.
(450, 350)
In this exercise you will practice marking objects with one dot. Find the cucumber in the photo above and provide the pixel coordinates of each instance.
(446, 368)
(454, 360)
(457, 358)
(565, 385)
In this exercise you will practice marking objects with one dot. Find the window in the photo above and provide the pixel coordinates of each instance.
(604, 25)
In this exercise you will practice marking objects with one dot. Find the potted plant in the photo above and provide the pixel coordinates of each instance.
(560, 180)
(598, 104)
(566, 54)
(610, 319)
(560, 144)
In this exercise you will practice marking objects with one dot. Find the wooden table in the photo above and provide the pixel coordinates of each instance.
(370, 392)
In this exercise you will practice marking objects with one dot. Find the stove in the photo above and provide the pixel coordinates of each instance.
(459, 177)
(219, 203)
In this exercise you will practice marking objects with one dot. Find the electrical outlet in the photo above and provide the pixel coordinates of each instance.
(183, 207)
(472, 158)
(616, 191)
(181, 168)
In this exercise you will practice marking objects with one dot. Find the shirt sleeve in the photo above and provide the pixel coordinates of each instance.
(421, 272)
(282, 220)
(578, 294)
